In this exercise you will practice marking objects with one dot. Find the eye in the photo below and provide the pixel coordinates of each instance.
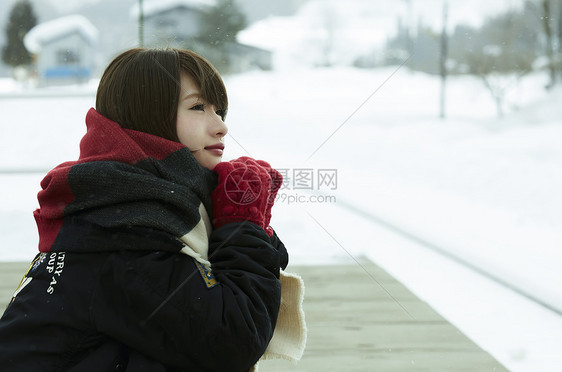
(221, 113)
(198, 107)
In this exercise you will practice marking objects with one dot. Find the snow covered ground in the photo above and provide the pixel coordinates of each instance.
(484, 190)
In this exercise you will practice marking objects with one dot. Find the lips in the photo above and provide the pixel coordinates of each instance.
(216, 149)
(218, 146)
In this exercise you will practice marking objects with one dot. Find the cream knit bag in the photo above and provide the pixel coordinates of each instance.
(289, 336)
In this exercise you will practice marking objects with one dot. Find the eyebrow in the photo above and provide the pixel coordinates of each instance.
(191, 96)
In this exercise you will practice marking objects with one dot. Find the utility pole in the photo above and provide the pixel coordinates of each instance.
(559, 37)
(141, 24)
(409, 28)
(444, 51)
(547, 27)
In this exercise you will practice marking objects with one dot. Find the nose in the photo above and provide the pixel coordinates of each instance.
(219, 128)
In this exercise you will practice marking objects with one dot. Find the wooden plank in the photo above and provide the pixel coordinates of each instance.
(359, 318)
(11, 274)
(356, 322)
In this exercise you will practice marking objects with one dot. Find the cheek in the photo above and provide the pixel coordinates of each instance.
(185, 130)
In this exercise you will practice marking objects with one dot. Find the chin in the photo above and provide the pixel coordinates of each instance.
(210, 164)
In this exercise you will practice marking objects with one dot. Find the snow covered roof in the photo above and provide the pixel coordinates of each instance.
(152, 7)
(48, 31)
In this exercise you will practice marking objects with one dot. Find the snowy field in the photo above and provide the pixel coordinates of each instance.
(482, 190)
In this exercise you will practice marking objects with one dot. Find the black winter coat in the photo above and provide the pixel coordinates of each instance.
(135, 304)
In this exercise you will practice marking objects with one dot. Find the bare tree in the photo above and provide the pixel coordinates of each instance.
(499, 54)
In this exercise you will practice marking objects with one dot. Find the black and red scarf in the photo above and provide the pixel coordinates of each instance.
(126, 178)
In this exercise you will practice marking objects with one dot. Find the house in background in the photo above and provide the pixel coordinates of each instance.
(171, 23)
(63, 50)
(178, 23)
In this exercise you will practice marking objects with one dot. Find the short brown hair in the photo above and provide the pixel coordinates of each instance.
(140, 88)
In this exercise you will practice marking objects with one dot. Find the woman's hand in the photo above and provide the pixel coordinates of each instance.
(276, 182)
(246, 192)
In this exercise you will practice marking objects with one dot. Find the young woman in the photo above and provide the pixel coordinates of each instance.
(154, 254)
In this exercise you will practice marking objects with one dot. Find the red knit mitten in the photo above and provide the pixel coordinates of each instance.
(276, 182)
(242, 193)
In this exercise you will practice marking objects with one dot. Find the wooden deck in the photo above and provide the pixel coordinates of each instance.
(359, 318)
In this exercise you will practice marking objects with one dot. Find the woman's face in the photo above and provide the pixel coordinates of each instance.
(199, 126)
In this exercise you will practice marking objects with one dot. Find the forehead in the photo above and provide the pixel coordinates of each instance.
(188, 85)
